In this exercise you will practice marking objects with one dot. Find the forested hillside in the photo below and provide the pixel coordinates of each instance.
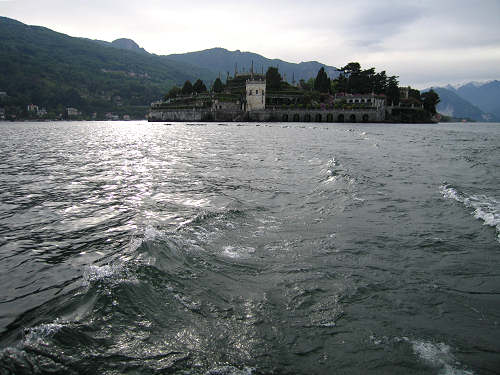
(55, 71)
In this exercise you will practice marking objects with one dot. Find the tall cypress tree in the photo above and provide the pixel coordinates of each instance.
(392, 91)
(199, 86)
(187, 88)
(218, 86)
(273, 78)
(322, 82)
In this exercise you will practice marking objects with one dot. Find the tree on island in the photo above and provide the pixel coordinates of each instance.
(199, 87)
(348, 77)
(352, 68)
(415, 94)
(431, 100)
(273, 78)
(392, 91)
(322, 82)
(354, 80)
(380, 82)
(218, 86)
(173, 93)
(187, 89)
(307, 85)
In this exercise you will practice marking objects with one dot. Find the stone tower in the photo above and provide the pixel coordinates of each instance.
(256, 95)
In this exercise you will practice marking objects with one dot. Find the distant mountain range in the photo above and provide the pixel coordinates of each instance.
(223, 62)
(486, 96)
(475, 101)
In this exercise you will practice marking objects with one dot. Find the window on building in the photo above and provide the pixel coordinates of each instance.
(256, 92)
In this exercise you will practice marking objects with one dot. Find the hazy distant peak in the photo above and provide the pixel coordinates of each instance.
(128, 44)
(472, 84)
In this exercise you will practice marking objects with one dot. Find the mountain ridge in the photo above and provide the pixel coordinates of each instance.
(54, 70)
(128, 44)
(223, 61)
(478, 100)
(484, 96)
(453, 105)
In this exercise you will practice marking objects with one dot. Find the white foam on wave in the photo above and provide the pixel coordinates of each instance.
(485, 208)
(230, 370)
(330, 166)
(202, 202)
(333, 162)
(238, 252)
(39, 333)
(151, 233)
(436, 355)
(269, 224)
(335, 173)
(450, 193)
(439, 356)
(95, 273)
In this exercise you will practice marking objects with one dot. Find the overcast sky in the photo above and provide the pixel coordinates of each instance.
(424, 42)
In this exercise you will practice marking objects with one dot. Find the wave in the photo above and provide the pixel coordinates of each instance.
(436, 355)
(38, 333)
(230, 370)
(115, 270)
(335, 172)
(127, 291)
(238, 251)
(485, 208)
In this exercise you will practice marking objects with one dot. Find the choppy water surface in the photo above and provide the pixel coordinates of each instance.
(136, 248)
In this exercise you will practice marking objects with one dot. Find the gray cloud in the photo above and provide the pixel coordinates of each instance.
(422, 41)
(379, 19)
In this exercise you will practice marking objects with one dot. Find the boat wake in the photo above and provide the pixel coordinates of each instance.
(484, 208)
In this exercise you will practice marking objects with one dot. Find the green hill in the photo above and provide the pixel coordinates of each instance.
(55, 71)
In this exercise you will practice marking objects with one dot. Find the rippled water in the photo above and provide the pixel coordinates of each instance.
(249, 248)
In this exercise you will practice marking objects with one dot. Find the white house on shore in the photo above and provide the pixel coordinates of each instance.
(72, 112)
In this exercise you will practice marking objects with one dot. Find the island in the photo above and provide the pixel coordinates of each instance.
(356, 95)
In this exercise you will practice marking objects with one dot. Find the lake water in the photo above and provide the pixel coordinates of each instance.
(136, 248)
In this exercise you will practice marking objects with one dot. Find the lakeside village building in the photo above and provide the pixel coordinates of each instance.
(246, 98)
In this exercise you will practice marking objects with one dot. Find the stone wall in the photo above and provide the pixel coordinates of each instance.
(185, 115)
(319, 115)
(278, 115)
